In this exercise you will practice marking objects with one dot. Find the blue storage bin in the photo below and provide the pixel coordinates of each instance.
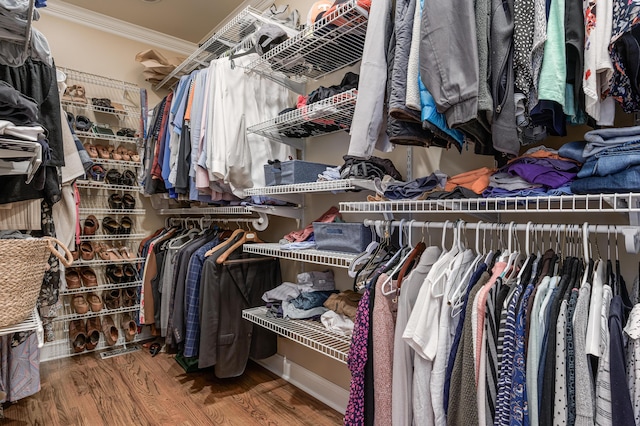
(294, 171)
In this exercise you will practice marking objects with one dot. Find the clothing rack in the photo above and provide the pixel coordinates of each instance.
(259, 223)
(631, 234)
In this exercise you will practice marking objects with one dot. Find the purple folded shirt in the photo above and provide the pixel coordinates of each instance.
(551, 173)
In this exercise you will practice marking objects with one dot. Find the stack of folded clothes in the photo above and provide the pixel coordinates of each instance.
(611, 160)
(540, 171)
(301, 300)
(342, 312)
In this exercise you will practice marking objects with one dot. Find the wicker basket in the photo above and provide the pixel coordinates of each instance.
(22, 267)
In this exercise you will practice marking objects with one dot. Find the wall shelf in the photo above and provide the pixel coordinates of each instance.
(192, 211)
(592, 203)
(100, 288)
(80, 263)
(70, 315)
(63, 349)
(319, 257)
(94, 211)
(116, 138)
(107, 237)
(92, 184)
(32, 323)
(128, 110)
(231, 35)
(332, 43)
(336, 110)
(307, 333)
(20, 158)
(301, 188)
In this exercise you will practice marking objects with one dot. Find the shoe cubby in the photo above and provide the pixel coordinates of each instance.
(105, 116)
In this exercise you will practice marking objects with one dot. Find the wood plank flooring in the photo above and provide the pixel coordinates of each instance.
(136, 389)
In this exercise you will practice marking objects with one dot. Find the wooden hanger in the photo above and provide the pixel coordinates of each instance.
(248, 237)
(224, 243)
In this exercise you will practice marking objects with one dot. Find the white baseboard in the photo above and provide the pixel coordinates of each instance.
(320, 388)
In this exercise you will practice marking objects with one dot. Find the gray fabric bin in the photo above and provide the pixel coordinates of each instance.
(294, 171)
(343, 237)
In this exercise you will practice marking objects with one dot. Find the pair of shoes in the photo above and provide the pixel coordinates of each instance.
(84, 336)
(75, 93)
(109, 330)
(114, 228)
(127, 178)
(118, 202)
(90, 226)
(126, 132)
(112, 253)
(86, 277)
(118, 274)
(103, 104)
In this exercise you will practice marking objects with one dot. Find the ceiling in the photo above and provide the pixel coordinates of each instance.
(190, 20)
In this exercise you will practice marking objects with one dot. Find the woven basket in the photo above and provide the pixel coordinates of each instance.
(22, 267)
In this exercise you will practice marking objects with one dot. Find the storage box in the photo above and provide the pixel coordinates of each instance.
(294, 171)
(343, 237)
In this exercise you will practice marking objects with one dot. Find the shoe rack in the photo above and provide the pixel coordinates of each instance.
(99, 296)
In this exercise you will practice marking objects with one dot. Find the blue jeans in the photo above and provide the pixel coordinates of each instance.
(626, 181)
(601, 139)
(573, 150)
(612, 163)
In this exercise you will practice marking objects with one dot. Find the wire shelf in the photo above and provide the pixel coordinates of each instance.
(92, 184)
(623, 203)
(128, 110)
(98, 211)
(83, 77)
(335, 112)
(32, 323)
(231, 210)
(100, 288)
(107, 237)
(324, 186)
(307, 333)
(333, 42)
(80, 263)
(233, 34)
(70, 315)
(61, 348)
(319, 257)
(121, 139)
(116, 163)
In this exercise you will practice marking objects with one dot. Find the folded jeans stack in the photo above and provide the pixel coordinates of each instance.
(611, 161)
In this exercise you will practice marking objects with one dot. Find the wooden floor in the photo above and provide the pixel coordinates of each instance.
(136, 389)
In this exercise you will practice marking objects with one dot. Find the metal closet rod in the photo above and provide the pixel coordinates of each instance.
(259, 223)
(631, 233)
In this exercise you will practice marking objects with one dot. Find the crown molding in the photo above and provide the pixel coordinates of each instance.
(118, 27)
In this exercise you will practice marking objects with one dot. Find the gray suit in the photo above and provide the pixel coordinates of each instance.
(226, 340)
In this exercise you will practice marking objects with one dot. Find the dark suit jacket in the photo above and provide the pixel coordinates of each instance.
(226, 340)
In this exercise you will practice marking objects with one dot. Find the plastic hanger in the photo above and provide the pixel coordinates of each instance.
(387, 286)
